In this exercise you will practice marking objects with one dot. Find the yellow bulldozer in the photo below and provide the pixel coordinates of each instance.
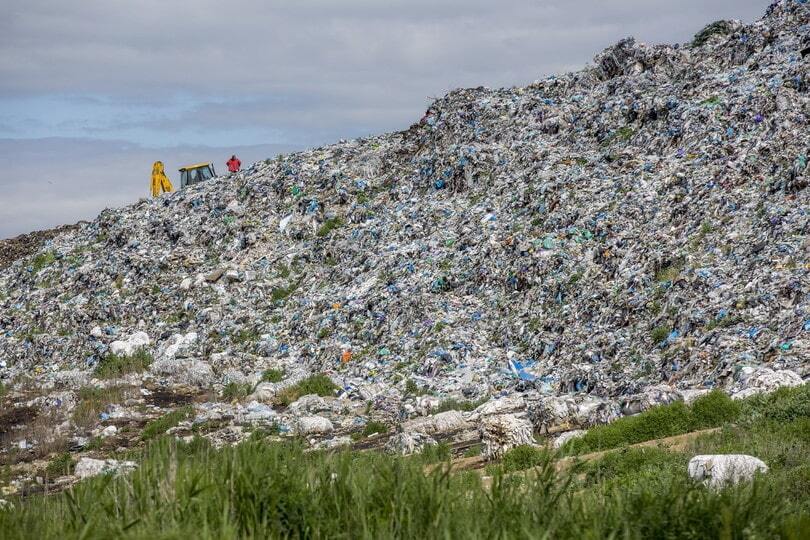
(194, 174)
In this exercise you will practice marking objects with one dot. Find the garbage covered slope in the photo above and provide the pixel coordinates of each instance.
(640, 221)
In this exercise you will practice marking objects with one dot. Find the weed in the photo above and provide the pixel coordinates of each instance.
(460, 404)
(92, 401)
(710, 410)
(523, 457)
(320, 385)
(273, 375)
(373, 427)
(659, 334)
(328, 226)
(166, 422)
(113, 365)
(473, 451)
(246, 335)
(324, 333)
(60, 465)
(668, 273)
(236, 391)
(43, 260)
(282, 293)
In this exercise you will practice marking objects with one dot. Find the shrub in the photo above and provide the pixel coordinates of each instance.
(714, 409)
(113, 365)
(783, 405)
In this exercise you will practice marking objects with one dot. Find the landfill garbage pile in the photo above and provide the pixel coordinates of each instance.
(23, 245)
(567, 252)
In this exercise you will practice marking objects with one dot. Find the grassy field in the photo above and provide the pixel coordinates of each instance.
(262, 489)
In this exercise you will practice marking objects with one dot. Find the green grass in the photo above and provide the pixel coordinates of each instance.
(328, 226)
(60, 465)
(91, 401)
(245, 335)
(278, 490)
(711, 410)
(460, 405)
(160, 425)
(659, 334)
(273, 375)
(113, 365)
(668, 273)
(282, 293)
(373, 427)
(236, 391)
(263, 489)
(43, 260)
(320, 385)
(523, 457)
(473, 451)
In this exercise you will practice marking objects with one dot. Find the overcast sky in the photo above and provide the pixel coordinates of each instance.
(93, 91)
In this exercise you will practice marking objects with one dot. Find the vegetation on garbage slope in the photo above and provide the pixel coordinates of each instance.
(711, 410)
(274, 489)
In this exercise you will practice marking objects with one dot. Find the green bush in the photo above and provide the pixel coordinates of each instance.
(113, 365)
(784, 405)
(714, 409)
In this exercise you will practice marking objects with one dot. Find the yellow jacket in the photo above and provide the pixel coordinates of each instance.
(160, 182)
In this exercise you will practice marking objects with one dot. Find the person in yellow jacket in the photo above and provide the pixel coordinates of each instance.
(160, 182)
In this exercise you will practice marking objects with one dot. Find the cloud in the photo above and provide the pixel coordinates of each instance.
(162, 73)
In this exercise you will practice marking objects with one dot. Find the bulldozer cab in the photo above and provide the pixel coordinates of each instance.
(194, 174)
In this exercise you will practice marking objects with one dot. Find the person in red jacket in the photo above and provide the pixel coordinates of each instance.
(234, 164)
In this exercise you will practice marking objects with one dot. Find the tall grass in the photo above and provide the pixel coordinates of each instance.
(279, 490)
(113, 365)
(259, 490)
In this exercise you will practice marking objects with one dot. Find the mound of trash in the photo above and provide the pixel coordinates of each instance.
(596, 242)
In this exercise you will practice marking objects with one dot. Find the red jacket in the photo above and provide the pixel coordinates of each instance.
(234, 164)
